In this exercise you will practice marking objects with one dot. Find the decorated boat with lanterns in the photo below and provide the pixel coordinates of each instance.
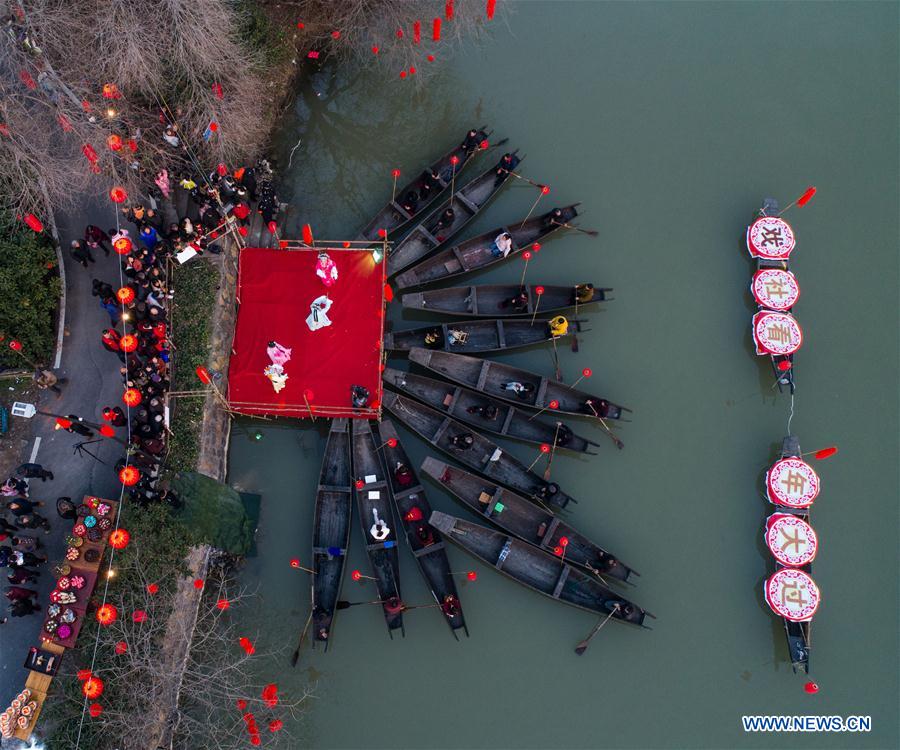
(776, 333)
(538, 570)
(413, 198)
(425, 541)
(378, 524)
(792, 486)
(499, 380)
(525, 520)
(480, 410)
(331, 530)
(504, 300)
(481, 252)
(482, 335)
(448, 219)
(474, 450)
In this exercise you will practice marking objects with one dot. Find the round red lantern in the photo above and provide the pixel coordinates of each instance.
(152, 588)
(122, 245)
(111, 91)
(811, 687)
(107, 614)
(114, 142)
(392, 442)
(545, 448)
(223, 604)
(107, 431)
(95, 710)
(119, 538)
(539, 290)
(125, 295)
(587, 372)
(121, 647)
(198, 583)
(454, 160)
(526, 255)
(395, 173)
(118, 194)
(564, 541)
(472, 575)
(139, 615)
(132, 397)
(545, 189)
(128, 342)
(84, 674)
(16, 346)
(356, 575)
(554, 404)
(557, 550)
(129, 476)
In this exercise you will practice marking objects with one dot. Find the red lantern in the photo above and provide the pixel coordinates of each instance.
(125, 295)
(430, 58)
(412, 70)
(536, 247)
(360, 484)
(89, 153)
(223, 604)
(448, 10)
(395, 173)
(107, 614)
(95, 709)
(399, 33)
(243, 231)
(557, 550)
(826, 453)
(198, 583)
(132, 397)
(811, 687)
(213, 126)
(785, 365)
(295, 562)
(403, 74)
(132, 145)
(491, 7)
(272, 227)
(203, 374)
(128, 342)
(382, 233)
(241, 704)
(217, 88)
(545, 448)
(807, 196)
(392, 442)
(554, 404)
(484, 144)
(335, 34)
(118, 194)
(270, 695)
(275, 725)
(122, 246)
(111, 91)
(138, 615)
(84, 674)
(526, 255)
(92, 688)
(374, 50)
(63, 423)
(454, 160)
(114, 142)
(307, 234)
(564, 541)
(545, 189)
(121, 647)
(129, 476)
(16, 346)
(587, 372)
(436, 30)
(472, 575)
(247, 645)
(417, 32)
(33, 222)
(152, 588)
(119, 538)
(539, 290)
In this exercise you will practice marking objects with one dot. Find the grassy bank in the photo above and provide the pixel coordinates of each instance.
(196, 285)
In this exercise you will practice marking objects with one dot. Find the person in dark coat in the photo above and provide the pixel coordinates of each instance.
(20, 506)
(82, 253)
(95, 238)
(21, 559)
(22, 575)
(6, 527)
(34, 471)
(101, 289)
(33, 521)
(22, 608)
(507, 163)
(17, 593)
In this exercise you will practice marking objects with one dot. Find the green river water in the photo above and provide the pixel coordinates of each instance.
(670, 122)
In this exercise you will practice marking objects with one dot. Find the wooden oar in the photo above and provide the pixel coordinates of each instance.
(589, 232)
(556, 359)
(552, 452)
(296, 654)
(582, 647)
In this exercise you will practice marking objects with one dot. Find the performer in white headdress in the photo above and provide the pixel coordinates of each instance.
(318, 313)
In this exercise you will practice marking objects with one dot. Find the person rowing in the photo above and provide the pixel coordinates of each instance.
(507, 163)
(553, 220)
(471, 143)
(430, 186)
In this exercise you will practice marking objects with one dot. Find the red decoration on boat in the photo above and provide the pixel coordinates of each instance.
(217, 90)
(132, 397)
(811, 687)
(247, 645)
(545, 189)
(539, 290)
(356, 575)
(790, 539)
(545, 447)
(152, 588)
(122, 245)
(793, 483)
(417, 32)
(119, 538)
(382, 233)
(807, 196)
(472, 575)
(128, 342)
(95, 709)
(587, 372)
(392, 442)
(92, 688)
(448, 10)
(526, 255)
(107, 431)
(223, 604)
(138, 616)
(564, 541)
(33, 222)
(775, 289)
(307, 234)
(129, 476)
(63, 423)
(776, 333)
(203, 374)
(826, 453)
(454, 160)
(107, 614)
(121, 647)
(395, 173)
(16, 346)
(346, 243)
(436, 30)
(118, 195)
(554, 404)
(414, 514)
(557, 550)
(282, 244)
(491, 7)
(125, 295)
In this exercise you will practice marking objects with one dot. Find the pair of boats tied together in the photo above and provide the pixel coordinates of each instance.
(460, 405)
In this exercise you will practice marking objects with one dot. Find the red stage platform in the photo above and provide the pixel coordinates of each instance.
(275, 291)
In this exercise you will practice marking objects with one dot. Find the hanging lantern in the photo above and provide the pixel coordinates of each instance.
(89, 153)
(448, 10)
(430, 58)
(198, 583)
(132, 397)
(107, 431)
(392, 442)
(203, 374)
(33, 222)
(356, 575)
(16, 346)
(472, 575)
(307, 234)
(275, 725)
(564, 541)
(119, 538)
(114, 142)
(557, 550)
(132, 145)
(491, 7)
(84, 674)
(107, 614)
(111, 91)
(223, 604)
(807, 196)
(27, 79)
(587, 372)
(417, 32)
(243, 231)
(374, 49)
(95, 710)
(122, 245)
(129, 476)
(554, 404)
(121, 647)
(545, 447)
(92, 688)
(247, 645)
(138, 616)
(125, 295)
(152, 588)
(118, 194)
(436, 30)
(272, 227)
(128, 342)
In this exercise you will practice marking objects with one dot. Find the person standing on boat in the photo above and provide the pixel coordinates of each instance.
(502, 245)
(553, 220)
(507, 163)
(431, 185)
(584, 293)
(403, 475)
(471, 143)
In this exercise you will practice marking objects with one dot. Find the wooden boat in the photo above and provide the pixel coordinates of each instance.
(525, 520)
(483, 455)
(489, 377)
(466, 202)
(426, 543)
(394, 216)
(467, 406)
(374, 506)
(477, 335)
(331, 530)
(502, 300)
(537, 570)
(476, 253)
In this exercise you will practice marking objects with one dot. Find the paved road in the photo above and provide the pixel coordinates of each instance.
(94, 382)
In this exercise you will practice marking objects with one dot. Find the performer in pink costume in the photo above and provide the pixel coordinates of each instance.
(326, 269)
(277, 353)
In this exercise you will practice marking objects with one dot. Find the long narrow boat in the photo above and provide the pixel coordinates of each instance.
(477, 253)
(465, 202)
(484, 412)
(473, 450)
(378, 523)
(477, 335)
(493, 378)
(426, 543)
(503, 300)
(331, 530)
(522, 518)
(394, 216)
(537, 570)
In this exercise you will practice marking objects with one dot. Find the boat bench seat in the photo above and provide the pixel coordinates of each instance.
(427, 550)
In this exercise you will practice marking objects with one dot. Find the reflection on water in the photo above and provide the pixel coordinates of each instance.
(656, 118)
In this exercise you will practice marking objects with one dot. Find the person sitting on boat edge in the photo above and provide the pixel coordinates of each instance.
(558, 326)
(597, 407)
(359, 396)
(445, 221)
(450, 606)
(488, 411)
(423, 531)
(431, 184)
(463, 441)
(563, 434)
(584, 293)
(502, 245)
(323, 623)
(507, 163)
(549, 490)
(434, 339)
(403, 474)
(522, 390)
(519, 303)
(471, 143)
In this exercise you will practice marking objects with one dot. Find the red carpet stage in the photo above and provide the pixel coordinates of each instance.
(275, 291)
